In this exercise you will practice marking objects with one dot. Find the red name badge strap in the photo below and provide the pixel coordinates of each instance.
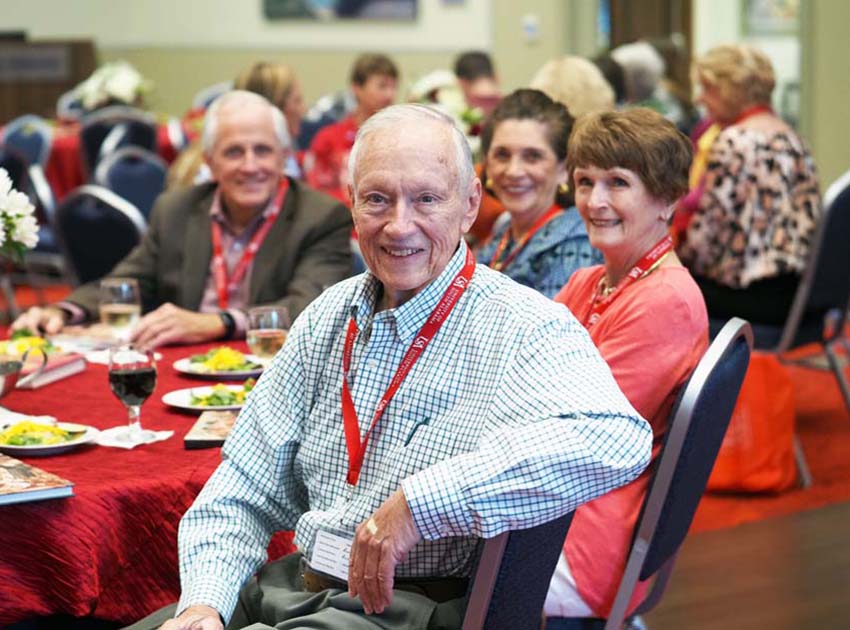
(497, 264)
(356, 447)
(225, 285)
(658, 251)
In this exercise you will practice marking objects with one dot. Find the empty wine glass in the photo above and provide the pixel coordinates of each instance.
(120, 305)
(132, 377)
(268, 327)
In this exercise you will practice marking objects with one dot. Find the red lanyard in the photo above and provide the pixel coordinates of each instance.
(225, 285)
(752, 111)
(646, 264)
(356, 447)
(497, 264)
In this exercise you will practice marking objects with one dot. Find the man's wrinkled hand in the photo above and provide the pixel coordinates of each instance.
(198, 617)
(171, 324)
(48, 319)
(380, 544)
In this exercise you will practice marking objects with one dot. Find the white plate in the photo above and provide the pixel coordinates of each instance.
(37, 450)
(181, 398)
(185, 366)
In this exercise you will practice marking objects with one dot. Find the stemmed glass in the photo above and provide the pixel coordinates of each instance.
(132, 377)
(120, 305)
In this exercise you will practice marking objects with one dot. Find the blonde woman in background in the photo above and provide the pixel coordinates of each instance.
(576, 83)
(749, 236)
(277, 83)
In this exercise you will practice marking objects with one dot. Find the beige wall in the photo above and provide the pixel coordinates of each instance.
(826, 85)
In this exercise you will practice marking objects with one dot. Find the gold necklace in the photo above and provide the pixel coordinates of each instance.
(605, 290)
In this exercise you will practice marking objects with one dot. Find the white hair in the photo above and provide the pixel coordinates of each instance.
(414, 115)
(643, 66)
(235, 99)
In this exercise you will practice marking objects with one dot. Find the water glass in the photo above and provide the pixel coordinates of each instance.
(120, 305)
(268, 327)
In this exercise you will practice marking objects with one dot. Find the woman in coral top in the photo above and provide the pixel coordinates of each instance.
(644, 312)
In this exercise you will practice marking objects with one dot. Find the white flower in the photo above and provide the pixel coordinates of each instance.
(5, 183)
(26, 231)
(115, 81)
(18, 204)
(18, 226)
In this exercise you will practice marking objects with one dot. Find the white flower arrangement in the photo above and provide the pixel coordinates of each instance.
(114, 82)
(440, 89)
(18, 226)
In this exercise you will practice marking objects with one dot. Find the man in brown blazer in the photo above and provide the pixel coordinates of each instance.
(252, 237)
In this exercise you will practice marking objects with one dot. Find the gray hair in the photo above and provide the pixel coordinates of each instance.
(235, 99)
(415, 114)
(643, 67)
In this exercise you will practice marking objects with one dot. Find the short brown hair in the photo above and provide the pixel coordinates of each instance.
(640, 140)
(743, 75)
(272, 80)
(371, 64)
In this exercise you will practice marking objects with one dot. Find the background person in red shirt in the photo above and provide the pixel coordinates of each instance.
(374, 82)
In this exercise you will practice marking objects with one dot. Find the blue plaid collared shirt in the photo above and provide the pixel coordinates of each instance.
(509, 419)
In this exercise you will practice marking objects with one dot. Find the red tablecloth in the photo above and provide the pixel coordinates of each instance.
(110, 551)
(65, 171)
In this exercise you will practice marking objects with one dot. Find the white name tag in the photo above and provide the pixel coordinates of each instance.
(330, 554)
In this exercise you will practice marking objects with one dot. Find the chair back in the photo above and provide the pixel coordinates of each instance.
(135, 174)
(69, 106)
(110, 128)
(16, 166)
(513, 575)
(30, 136)
(205, 97)
(698, 423)
(97, 229)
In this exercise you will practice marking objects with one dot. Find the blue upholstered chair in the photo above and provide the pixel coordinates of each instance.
(135, 174)
(111, 128)
(31, 136)
(510, 587)
(97, 229)
(204, 97)
(698, 424)
(513, 575)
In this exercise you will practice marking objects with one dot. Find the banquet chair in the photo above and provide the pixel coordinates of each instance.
(513, 575)
(97, 229)
(203, 98)
(110, 128)
(31, 136)
(134, 173)
(69, 106)
(822, 302)
(698, 423)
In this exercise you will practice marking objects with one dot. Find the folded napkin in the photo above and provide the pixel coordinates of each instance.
(8, 418)
(102, 357)
(123, 437)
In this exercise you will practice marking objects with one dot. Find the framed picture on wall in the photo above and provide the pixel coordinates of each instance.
(770, 17)
(340, 9)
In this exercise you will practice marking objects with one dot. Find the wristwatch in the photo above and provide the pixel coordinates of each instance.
(229, 324)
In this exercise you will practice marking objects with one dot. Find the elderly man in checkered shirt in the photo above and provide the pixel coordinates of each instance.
(415, 409)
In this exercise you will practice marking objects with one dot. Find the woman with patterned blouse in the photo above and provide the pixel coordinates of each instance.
(541, 239)
(758, 202)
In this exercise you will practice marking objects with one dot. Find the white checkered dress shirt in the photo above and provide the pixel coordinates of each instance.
(510, 418)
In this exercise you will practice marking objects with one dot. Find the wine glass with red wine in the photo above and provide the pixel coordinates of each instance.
(132, 377)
